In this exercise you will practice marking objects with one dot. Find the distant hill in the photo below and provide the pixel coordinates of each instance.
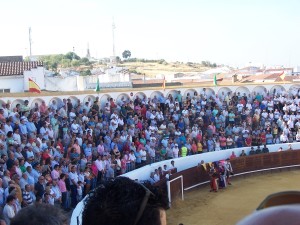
(151, 69)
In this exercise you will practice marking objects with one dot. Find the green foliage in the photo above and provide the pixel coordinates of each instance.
(53, 62)
(162, 61)
(126, 54)
(26, 59)
(208, 64)
(65, 63)
(71, 56)
(75, 63)
(85, 73)
(118, 59)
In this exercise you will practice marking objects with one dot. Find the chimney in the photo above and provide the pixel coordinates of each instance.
(234, 78)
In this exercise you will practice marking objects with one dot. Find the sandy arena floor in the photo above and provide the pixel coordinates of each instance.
(230, 205)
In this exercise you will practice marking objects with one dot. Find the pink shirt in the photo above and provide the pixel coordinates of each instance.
(55, 174)
(101, 149)
(62, 186)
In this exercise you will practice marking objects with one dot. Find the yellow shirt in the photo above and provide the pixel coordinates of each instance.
(199, 147)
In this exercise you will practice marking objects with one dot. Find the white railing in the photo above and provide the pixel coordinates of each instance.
(187, 162)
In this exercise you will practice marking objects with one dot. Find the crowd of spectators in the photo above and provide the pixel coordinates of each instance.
(57, 153)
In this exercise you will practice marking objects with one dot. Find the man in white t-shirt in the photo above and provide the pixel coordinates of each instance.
(73, 176)
(175, 151)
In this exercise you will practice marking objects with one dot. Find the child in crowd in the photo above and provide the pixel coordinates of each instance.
(79, 191)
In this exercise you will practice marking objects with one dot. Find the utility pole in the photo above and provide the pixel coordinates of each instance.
(113, 36)
(30, 43)
(88, 54)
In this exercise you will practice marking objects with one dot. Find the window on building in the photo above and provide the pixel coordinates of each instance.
(4, 90)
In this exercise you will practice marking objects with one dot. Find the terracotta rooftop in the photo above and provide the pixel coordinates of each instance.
(273, 76)
(17, 68)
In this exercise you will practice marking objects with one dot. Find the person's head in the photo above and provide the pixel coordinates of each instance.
(41, 179)
(27, 187)
(126, 202)
(40, 214)
(10, 199)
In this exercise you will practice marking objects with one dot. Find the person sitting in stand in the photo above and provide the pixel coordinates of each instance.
(232, 156)
(258, 150)
(290, 147)
(243, 153)
(252, 152)
(265, 149)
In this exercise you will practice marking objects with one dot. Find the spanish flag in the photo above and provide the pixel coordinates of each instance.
(33, 87)
(164, 84)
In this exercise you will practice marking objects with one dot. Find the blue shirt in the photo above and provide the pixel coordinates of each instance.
(162, 99)
(30, 127)
(23, 128)
(182, 139)
(138, 157)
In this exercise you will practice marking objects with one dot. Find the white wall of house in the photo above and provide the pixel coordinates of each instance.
(61, 83)
(14, 83)
(37, 74)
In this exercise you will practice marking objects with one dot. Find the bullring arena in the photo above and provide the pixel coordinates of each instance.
(200, 207)
(255, 178)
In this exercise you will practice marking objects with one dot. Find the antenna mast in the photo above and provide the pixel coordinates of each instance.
(113, 36)
(30, 42)
(88, 54)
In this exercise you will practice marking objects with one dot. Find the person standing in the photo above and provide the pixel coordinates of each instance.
(229, 171)
(73, 176)
(184, 151)
(63, 189)
(9, 210)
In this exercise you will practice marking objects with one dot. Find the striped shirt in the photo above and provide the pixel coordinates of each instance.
(27, 197)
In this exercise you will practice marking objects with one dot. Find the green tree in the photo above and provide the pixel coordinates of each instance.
(118, 59)
(126, 54)
(53, 66)
(85, 61)
(75, 63)
(85, 73)
(65, 63)
(71, 56)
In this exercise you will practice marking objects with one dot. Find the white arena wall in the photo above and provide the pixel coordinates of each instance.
(193, 160)
(181, 164)
(116, 94)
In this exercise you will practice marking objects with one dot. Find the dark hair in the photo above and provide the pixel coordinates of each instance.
(123, 201)
(10, 198)
(40, 214)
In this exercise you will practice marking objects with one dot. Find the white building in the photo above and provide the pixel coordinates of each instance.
(14, 76)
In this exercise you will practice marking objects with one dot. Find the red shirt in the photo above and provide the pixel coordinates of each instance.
(263, 138)
(248, 141)
(232, 157)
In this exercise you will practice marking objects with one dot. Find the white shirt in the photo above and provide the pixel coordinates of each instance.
(74, 177)
(143, 154)
(8, 213)
(175, 152)
(100, 165)
(132, 157)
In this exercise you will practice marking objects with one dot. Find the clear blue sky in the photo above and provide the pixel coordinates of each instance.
(231, 32)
